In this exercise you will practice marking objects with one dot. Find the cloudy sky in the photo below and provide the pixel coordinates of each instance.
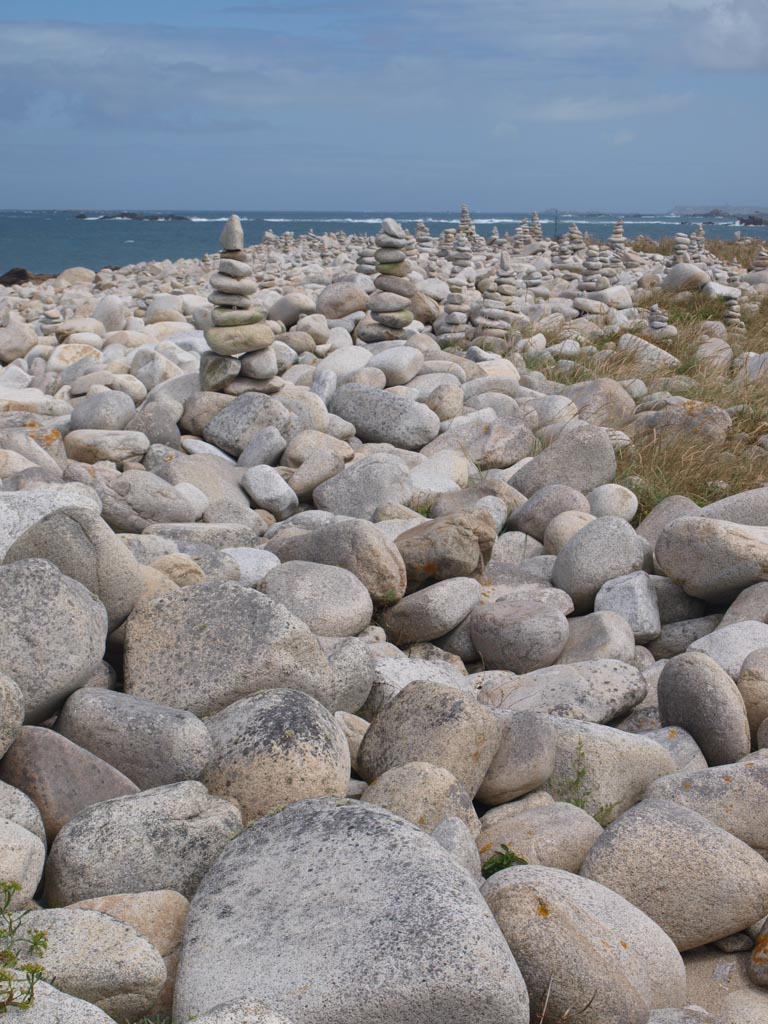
(634, 105)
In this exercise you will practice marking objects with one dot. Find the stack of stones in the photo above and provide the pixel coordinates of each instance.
(51, 320)
(658, 324)
(450, 327)
(732, 316)
(682, 252)
(495, 238)
(576, 239)
(389, 305)
(242, 357)
(760, 262)
(466, 227)
(366, 261)
(593, 269)
(618, 239)
(461, 254)
(537, 232)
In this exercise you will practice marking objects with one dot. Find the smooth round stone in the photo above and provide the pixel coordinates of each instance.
(603, 549)
(613, 500)
(698, 695)
(518, 636)
(431, 612)
(274, 748)
(261, 365)
(330, 600)
(424, 794)
(542, 507)
(217, 371)
(232, 341)
(253, 563)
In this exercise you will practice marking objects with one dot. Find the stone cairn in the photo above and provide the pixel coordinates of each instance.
(682, 252)
(659, 326)
(760, 261)
(618, 239)
(732, 316)
(537, 232)
(242, 356)
(466, 227)
(389, 304)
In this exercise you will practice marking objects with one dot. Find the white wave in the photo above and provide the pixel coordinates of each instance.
(211, 220)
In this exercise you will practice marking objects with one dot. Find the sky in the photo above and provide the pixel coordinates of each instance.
(631, 105)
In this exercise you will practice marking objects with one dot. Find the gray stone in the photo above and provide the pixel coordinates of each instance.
(52, 634)
(580, 945)
(11, 712)
(731, 796)
(444, 959)
(730, 645)
(204, 647)
(581, 458)
(236, 424)
(330, 600)
(601, 551)
(242, 1011)
(168, 838)
(20, 510)
(151, 744)
(273, 749)
(17, 807)
(519, 636)
(363, 485)
(634, 598)
(556, 835)
(108, 410)
(430, 722)
(602, 634)
(711, 558)
(80, 544)
(696, 693)
(648, 857)
(22, 856)
(677, 637)
(753, 687)
(356, 545)
(524, 760)
(97, 958)
(431, 612)
(593, 691)
(605, 769)
(456, 839)
(542, 507)
(380, 416)
(423, 794)
(54, 1007)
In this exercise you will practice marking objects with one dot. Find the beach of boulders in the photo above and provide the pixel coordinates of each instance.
(346, 677)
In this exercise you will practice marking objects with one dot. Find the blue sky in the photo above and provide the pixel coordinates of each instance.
(635, 105)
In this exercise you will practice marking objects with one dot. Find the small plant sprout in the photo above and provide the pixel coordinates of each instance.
(18, 975)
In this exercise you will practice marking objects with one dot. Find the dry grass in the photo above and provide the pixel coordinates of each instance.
(688, 462)
(726, 251)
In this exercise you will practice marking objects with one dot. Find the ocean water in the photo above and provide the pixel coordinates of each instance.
(48, 241)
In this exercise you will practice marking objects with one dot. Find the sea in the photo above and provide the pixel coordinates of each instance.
(48, 241)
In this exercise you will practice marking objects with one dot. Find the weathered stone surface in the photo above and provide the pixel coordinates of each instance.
(59, 776)
(99, 959)
(518, 636)
(524, 760)
(711, 558)
(273, 749)
(151, 744)
(580, 945)
(204, 647)
(52, 634)
(556, 835)
(697, 881)
(695, 693)
(332, 601)
(444, 959)
(22, 856)
(581, 458)
(423, 794)
(380, 416)
(434, 723)
(81, 545)
(432, 612)
(601, 551)
(169, 837)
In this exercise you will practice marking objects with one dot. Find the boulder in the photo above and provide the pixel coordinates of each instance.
(392, 895)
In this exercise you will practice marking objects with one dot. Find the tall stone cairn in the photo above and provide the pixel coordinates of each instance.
(240, 344)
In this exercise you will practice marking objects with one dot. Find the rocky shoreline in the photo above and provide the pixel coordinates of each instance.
(342, 680)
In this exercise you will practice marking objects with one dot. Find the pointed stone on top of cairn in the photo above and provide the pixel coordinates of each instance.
(236, 329)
